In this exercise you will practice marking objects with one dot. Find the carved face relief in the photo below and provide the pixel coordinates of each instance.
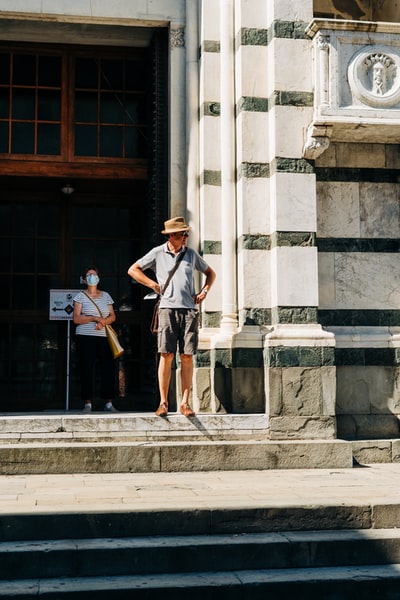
(374, 77)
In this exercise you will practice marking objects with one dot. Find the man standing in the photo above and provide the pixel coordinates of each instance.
(178, 314)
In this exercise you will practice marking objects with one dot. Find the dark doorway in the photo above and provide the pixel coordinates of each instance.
(95, 120)
(47, 238)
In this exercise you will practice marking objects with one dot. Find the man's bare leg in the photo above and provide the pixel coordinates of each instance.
(186, 382)
(164, 379)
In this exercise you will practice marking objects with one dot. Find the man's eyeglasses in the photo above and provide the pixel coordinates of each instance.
(182, 234)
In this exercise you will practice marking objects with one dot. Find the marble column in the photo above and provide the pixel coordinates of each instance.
(178, 175)
(229, 320)
(192, 120)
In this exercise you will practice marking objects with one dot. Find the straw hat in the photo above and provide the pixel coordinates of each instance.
(174, 225)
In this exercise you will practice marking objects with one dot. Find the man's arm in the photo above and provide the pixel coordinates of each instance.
(210, 278)
(138, 275)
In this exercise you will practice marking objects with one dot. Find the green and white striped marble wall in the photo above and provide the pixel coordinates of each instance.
(294, 286)
(266, 366)
(300, 378)
(358, 235)
(317, 244)
(252, 139)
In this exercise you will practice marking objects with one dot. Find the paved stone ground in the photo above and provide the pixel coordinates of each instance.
(35, 494)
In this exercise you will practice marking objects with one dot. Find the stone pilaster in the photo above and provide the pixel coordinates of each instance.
(204, 399)
(300, 381)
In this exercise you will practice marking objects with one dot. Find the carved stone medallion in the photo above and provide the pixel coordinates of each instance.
(374, 76)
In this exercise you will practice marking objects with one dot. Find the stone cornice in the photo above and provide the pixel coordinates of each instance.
(342, 25)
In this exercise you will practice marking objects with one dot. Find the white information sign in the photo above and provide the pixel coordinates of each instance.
(62, 304)
(62, 309)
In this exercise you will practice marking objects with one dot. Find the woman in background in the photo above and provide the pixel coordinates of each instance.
(92, 341)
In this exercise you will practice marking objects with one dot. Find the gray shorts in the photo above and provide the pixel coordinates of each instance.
(178, 328)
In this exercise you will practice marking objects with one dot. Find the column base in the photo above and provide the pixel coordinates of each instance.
(229, 375)
(300, 382)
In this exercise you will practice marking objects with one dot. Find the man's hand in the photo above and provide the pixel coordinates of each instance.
(200, 297)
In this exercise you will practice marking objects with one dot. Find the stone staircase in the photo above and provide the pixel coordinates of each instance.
(328, 555)
(329, 551)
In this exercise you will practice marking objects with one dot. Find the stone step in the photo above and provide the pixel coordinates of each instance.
(197, 553)
(372, 581)
(153, 457)
(67, 443)
(130, 427)
(128, 442)
(267, 518)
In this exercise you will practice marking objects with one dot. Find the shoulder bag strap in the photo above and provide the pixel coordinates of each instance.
(172, 271)
(91, 300)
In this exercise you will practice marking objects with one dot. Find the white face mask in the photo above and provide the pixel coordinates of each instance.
(92, 279)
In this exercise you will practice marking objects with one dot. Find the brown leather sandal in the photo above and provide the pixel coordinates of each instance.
(162, 410)
(187, 411)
